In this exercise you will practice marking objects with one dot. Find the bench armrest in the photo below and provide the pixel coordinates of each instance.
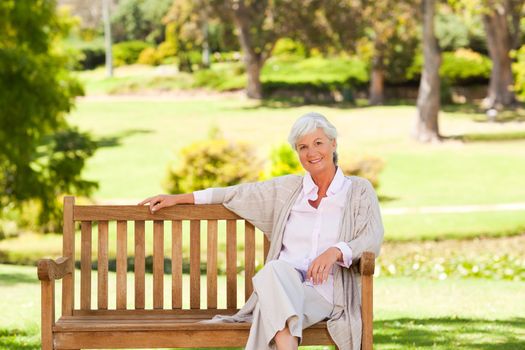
(50, 270)
(367, 264)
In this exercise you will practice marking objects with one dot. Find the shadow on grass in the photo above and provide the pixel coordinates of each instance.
(115, 140)
(14, 339)
(488, 137)
(511, 114)
(448, 333)
(11, 279)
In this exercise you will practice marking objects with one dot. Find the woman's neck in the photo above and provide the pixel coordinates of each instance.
(324, 179)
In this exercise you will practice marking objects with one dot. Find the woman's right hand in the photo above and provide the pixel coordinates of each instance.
(160, 201)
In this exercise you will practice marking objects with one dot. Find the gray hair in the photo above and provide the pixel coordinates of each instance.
(307, 124)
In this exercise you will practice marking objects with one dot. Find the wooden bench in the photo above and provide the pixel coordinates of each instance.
(132, 323)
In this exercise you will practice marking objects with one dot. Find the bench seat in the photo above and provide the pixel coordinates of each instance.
(159, 330)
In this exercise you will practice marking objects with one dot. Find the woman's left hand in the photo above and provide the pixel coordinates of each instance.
(322, 265)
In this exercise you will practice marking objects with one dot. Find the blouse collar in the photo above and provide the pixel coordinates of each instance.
(310, 189)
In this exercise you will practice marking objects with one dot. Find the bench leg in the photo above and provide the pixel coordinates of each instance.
(367, 312)
(48, 313)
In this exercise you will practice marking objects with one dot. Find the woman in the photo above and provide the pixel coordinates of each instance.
(317, 225)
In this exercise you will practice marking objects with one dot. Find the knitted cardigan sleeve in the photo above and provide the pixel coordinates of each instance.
(368, 228)
(256, 202)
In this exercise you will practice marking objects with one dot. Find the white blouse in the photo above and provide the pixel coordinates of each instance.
(310, 231)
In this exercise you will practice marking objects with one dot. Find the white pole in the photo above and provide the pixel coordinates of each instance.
(107, 37)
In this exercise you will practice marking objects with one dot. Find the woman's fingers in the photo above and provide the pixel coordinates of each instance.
(145, 201)
(161, 203)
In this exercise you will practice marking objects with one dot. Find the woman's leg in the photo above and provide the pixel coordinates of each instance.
(284, 340)
(285, 307)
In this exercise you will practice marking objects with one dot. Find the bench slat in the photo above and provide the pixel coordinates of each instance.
(195, 262)
(205, 313)
(136, 212)
(176, 264)
(85, 265)
(102, 266)
(231, 263)
(249, 258)
(122, 264)
(68, 247)
(211, 265)
(158, 264)
(140, 264)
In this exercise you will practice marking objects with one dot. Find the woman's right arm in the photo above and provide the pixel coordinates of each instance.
(167, 200)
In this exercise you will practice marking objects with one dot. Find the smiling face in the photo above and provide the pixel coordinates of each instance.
(316, 152)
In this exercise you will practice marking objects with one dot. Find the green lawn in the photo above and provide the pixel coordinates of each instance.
(409, 313)
(141, 137)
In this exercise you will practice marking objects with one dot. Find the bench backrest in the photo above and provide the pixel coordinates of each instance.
(135, 218)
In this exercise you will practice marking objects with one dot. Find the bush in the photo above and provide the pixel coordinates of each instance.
(461, 67)
(92, 57)
(284, 161)
(128, 52)
(231, 56)
(288, 47)
(215, 162)
(317, 77)
(221, 77)
(368, 167)
(519, 71)
(148, 56)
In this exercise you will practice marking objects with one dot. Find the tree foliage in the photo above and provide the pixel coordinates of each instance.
(41, 157)
(140, 20)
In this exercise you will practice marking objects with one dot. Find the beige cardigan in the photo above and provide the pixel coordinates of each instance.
(267, 206)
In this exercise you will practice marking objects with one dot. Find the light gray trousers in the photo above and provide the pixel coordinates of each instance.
(283, 298)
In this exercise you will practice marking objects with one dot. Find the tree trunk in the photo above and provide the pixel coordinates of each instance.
(500, 91)
(377, 80)
(253, 70)
(253, 60)
(428, 100)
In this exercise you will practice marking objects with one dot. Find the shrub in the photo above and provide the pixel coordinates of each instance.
(284, 161)
(461, 67)
(519, 71)
(215, 162)
(231, 56)
(148, 56)
(128, 52)
(368, 167)
(221, 76)
(313, 76)
(289, 47)
(166, 50)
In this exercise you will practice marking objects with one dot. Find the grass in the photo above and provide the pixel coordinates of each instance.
(141, 137)
(465, 314)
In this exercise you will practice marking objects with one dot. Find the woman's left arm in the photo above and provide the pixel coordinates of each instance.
(370, 231)
(369, 237)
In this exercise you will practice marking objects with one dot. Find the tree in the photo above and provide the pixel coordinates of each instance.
(500, 41)
(428, 100)
(41, 156)
(260, 23)
(140, 20)
(501, 20)
(388, 20)
(388, 27)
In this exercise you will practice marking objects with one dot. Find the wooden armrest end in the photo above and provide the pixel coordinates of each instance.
(49, 270)
(367, 264)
